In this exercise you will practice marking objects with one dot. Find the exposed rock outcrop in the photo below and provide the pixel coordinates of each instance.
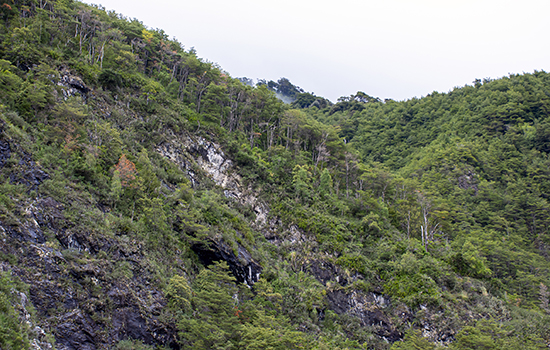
(468, 181)
(369, 308)
(5, 152)
(240, 262)
(84, 301)
(196, 153)
(95, 304)
(73, 85)
(192, 154)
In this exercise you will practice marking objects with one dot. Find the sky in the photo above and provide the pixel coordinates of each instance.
(396, 49)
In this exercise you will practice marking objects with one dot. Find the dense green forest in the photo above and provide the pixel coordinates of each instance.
(149, 200)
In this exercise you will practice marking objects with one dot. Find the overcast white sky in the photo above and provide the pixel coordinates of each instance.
(387, 48)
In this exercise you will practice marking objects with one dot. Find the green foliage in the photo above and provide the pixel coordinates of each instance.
(110, 80)
(122, 270)
(488, 334)
(438, 202)
(325, 185)
(10, 83)
(212, 314)
(268, 332)
(214, 322)
(473, 155)
(300, 180)
(14, 331)
(179, 293)
(469, 262)
(146, 172)
(132, 345)
(414, 289)
(413, 341)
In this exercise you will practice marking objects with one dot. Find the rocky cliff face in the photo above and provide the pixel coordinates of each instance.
(84, 290)
(91, 291)
(194, 153)
(85, 300)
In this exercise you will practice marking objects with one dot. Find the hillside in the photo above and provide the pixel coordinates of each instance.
(150, 200)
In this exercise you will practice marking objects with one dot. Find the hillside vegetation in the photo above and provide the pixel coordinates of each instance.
(150, 200)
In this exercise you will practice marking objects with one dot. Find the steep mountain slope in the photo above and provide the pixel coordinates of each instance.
(479, 153)
(150, 200)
